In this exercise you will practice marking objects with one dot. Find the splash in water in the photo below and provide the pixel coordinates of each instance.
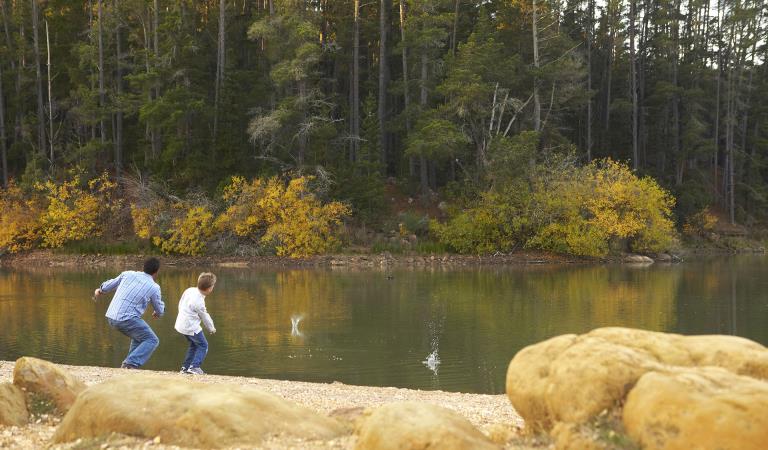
(432, 361)
(295, 319)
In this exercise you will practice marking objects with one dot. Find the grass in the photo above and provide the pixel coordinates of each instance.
(101, 247)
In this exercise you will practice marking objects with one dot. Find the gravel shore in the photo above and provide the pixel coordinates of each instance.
(490, 413)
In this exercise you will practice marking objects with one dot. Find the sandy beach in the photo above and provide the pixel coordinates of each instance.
(488, 412)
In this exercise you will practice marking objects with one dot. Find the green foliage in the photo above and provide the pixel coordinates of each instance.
(569, 209)
(495, 225)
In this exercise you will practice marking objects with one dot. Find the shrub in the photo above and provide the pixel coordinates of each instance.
(189, 232)
(19, 226)
(699, 224)
(290, 216)
(75, 212)
(566, 209)
(494, 225)
(582, 210)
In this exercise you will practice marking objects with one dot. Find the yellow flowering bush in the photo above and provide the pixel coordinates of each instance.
(289, 216)
(19, 227)
(567, 209)
(583, 210)
(74, 212)
(188, 233)
(700, 224)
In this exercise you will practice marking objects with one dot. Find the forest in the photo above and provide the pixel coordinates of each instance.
(574, 126)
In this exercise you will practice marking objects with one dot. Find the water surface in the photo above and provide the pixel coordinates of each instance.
(453, 330)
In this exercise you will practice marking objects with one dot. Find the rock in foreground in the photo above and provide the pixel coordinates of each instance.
(698, 408)
(418, 426)
(13, 406)
(672, 386)
(48, 381)
(187, 413)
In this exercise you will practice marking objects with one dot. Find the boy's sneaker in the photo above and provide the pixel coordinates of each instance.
(195, 371)
(183, 369)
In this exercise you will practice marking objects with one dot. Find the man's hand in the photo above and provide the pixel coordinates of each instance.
(155, 315)
(213, 330)
(97, 292)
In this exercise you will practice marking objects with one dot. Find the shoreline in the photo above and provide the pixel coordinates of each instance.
(365, 261)
(487, 412)
(48, 258)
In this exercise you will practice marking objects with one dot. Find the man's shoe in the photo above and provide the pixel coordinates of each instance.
(183, 369)
(127, 366)
(195, 371)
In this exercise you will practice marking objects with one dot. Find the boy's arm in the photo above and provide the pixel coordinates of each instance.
(156, 298)
(111, 285)
(202, 313)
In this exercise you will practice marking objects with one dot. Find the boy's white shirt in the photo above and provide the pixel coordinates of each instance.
(191, 312)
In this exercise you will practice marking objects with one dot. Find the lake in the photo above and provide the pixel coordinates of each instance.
(447, 329)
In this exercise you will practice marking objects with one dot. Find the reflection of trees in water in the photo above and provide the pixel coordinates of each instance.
(266, 301)
(384, 328)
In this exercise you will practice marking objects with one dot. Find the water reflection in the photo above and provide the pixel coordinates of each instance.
(429, 329)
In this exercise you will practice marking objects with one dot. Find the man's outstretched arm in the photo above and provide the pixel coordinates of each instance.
(110, 285)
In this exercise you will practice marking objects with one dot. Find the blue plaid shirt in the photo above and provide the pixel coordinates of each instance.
(134, 291)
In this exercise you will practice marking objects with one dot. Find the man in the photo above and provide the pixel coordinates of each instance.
(134, 291)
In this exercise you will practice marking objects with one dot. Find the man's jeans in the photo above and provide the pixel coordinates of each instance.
(198, 348)
(144, 341)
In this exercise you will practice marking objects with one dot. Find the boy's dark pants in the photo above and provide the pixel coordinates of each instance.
(198, 348)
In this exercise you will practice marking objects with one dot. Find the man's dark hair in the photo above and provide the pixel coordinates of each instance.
(151, 266)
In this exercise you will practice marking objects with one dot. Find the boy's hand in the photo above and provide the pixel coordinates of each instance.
(97, 292)
(213, 330)
(155, 315)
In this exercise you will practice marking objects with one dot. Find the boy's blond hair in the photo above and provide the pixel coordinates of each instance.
(205, 281)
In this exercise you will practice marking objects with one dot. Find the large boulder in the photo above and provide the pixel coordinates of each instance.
(419, 426)
(189, 413)
(572, 378)
(13, 406)
(698, 408)
(47, 382)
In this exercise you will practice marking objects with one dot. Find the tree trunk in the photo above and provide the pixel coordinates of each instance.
(590, 15)
(717, 104)
(536, 100)
(8, 41)
(219, 72)
(50, 91)
(155, 134)
(385, 6)
(423, 166)
(406, 87)
(679, 157)
(102, 92)
(455, 25)
(633, 81)
(609, 71)
(119, 92)
(38, 81)
(354, 148)
(3, 150)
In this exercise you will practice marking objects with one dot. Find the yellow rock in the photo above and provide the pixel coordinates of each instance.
(698, 408)
(47, 380)
(572, 378)
(418, 426)
(182, 412)
(13, 406)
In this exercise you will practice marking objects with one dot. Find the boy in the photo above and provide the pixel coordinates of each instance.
(191, 312)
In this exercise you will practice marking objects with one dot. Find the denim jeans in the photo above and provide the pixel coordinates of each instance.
(144, 341)
(198, 348)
